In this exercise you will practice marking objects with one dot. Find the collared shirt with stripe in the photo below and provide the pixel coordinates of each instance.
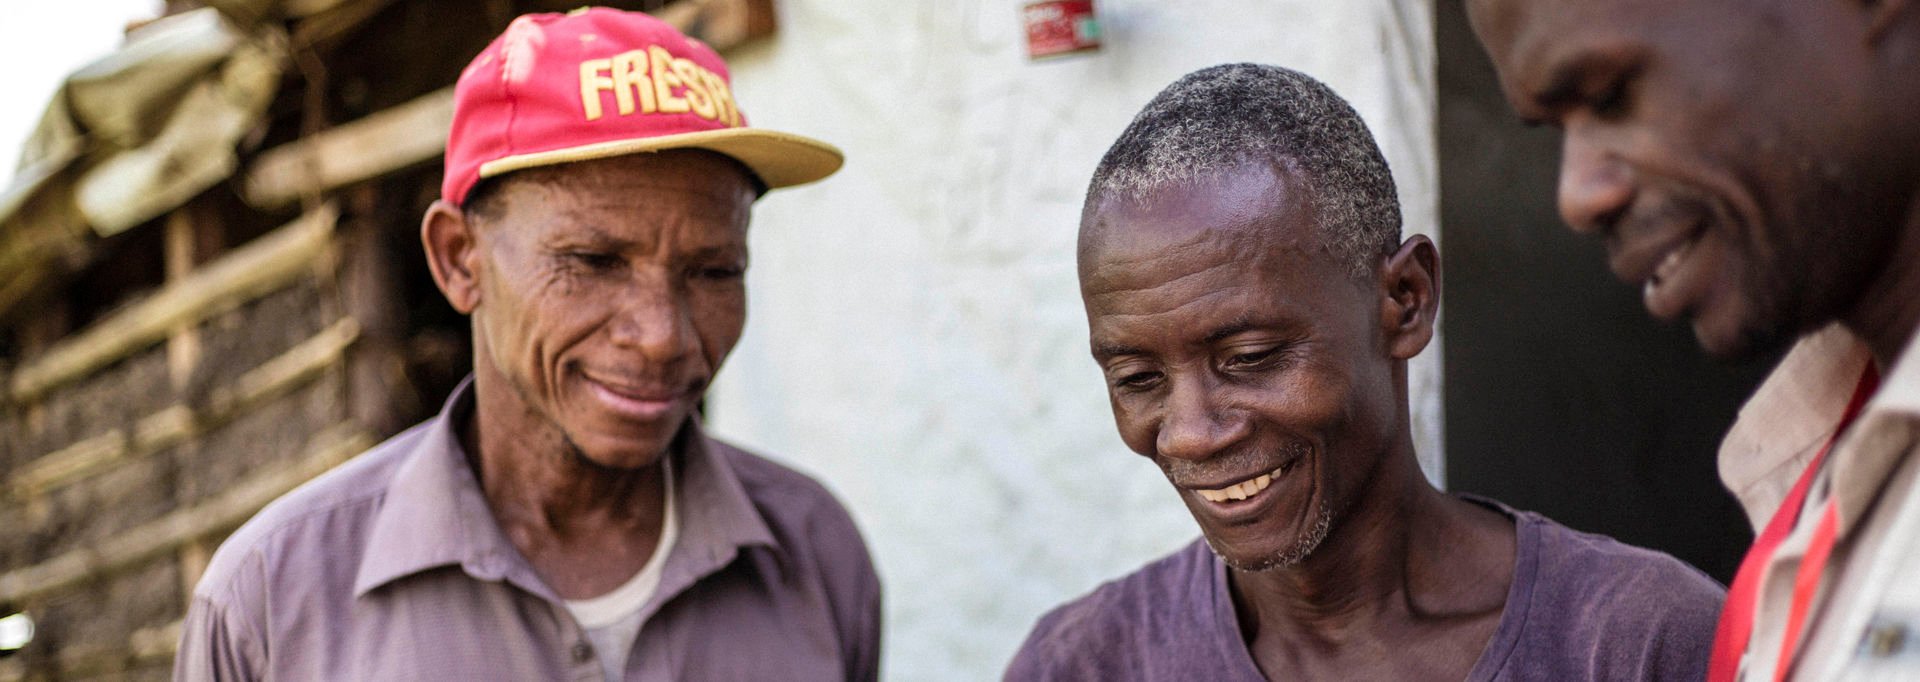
(1864, 622)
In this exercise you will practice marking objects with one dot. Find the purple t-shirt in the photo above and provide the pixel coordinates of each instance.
(1581, 607)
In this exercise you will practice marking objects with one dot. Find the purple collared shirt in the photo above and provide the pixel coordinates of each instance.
(392, 567)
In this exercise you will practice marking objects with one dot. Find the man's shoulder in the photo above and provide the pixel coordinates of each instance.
(1125, 623)
(1604, 609)
(804, 516)
(777, 489)
(1173, 586)
(1615, 573)
(315, 518)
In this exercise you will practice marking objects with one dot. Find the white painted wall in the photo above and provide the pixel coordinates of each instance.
(916, 337)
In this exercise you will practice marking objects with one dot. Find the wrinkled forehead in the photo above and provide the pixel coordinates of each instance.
(1240, 220)
(1531, 41)
(691, 171)
(674, 179)
(1519, 29)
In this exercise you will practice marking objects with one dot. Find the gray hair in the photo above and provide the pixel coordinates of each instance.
(1222, 117)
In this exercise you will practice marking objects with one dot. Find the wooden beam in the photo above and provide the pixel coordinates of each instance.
(66, 464)
(183, 342)
(722, 24)
(229, 509)
(156, 642)
(370, 147)
(256, 269)
(294, 367)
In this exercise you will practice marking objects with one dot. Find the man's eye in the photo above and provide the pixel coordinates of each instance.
(596, 261)
(720, 273)
(1252, 359)
(1137, 381)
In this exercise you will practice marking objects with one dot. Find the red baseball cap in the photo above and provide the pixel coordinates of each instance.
(595, 83)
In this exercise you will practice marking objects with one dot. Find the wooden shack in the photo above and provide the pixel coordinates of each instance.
(211, 290)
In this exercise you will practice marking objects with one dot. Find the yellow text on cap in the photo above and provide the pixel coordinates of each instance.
(652, 80)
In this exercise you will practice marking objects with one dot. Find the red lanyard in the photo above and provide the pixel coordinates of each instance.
(1736, 619)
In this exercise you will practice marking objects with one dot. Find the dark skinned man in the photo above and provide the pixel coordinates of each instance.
(1253, 308)
(1754, 167)
(564, 517)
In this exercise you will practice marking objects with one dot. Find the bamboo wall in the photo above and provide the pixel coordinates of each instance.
(197, 367)
(132, 449)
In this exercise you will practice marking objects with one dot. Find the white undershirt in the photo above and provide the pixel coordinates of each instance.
(612, 620)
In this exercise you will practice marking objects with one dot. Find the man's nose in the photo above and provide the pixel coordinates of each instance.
(1196, 425)
(654, 320)
(1596, 185)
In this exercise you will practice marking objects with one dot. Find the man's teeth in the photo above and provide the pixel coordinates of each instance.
(1243, 489)
(1669, 265)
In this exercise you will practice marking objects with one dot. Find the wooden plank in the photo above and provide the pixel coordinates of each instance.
(722, 24)
(168, 533)
(294, 367)
(155, 643)
(21, 285)
(246, 273)
(307, 8)
(69, 463)
(183, 342)
(373, 146)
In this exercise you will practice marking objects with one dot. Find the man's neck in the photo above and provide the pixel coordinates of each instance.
(585, 529)
(1406, 559)
(1889, 312)
(535, 480)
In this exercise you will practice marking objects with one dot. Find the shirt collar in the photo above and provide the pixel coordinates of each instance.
(719, 520)
(1794, 412)
(435, 514)
(1881, 438)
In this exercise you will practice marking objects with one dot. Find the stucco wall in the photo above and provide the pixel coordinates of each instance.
(915, 336)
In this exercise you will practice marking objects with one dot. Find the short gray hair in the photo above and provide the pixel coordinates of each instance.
(1222, 117)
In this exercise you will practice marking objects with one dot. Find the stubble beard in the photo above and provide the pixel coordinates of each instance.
(1315, 533)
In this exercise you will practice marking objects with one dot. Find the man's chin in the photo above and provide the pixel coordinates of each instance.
(1286, 555)
(620, 454)
(1737, 342)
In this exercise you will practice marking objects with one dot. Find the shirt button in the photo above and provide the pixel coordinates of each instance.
(582, 652)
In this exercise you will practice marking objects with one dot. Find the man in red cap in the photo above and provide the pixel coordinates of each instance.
(1754, 168)
(564, 517)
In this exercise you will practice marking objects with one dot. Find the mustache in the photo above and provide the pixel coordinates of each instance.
(1249, 461)
(1650, 216)
(621, 376)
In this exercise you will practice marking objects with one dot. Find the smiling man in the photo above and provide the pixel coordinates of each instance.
(564, 517)
(1253, 308)
(1754, 168)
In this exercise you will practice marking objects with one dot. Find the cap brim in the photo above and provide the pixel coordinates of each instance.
(780, 159)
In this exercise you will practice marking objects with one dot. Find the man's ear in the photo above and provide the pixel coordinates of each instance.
(1409, 285)
(452, 254)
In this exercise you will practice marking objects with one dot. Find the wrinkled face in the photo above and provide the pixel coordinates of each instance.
(1723, 150)
(609, 293)
(1240, 357)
